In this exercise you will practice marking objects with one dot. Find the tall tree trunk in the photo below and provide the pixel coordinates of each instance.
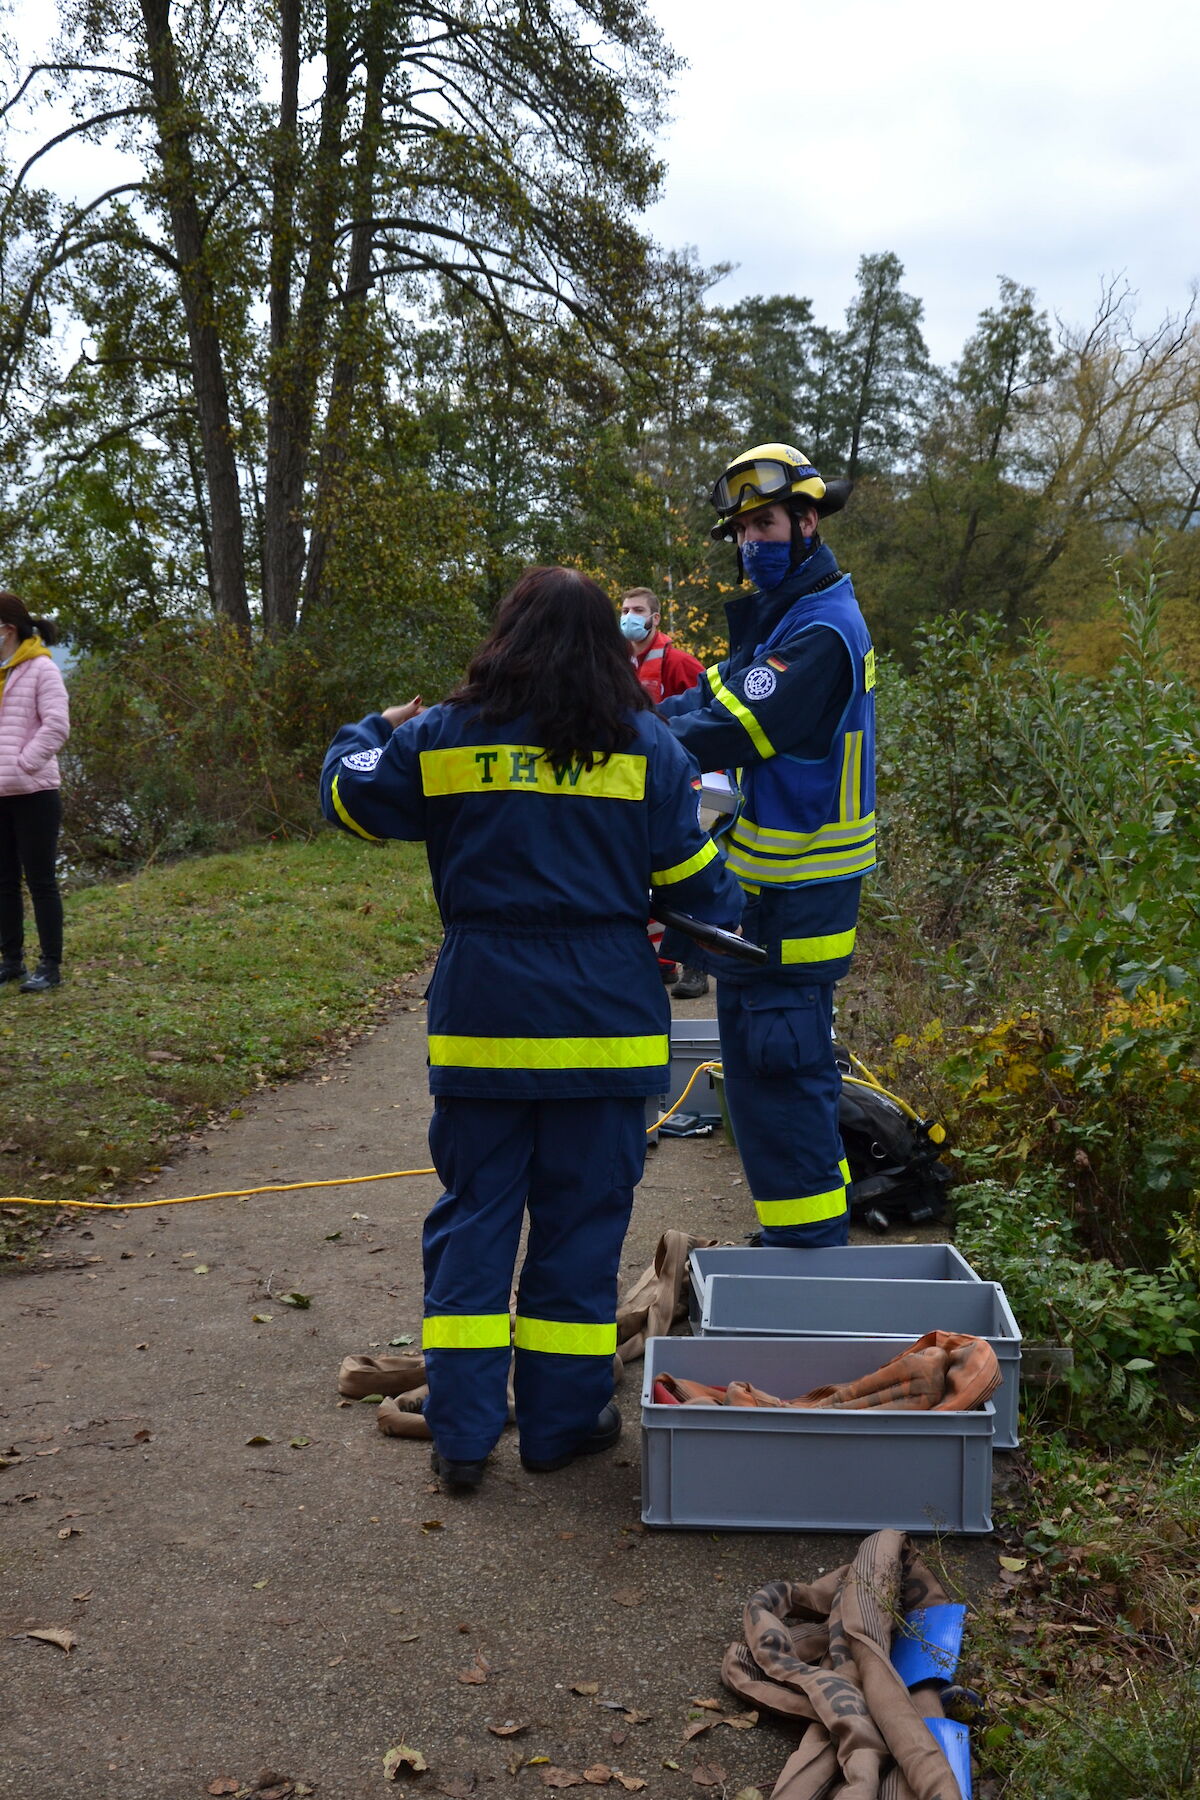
(298, 334)
(347, 365)
(198, 294)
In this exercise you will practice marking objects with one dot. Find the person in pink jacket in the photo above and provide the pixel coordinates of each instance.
(34, 724)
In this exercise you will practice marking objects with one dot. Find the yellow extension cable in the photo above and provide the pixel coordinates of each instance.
(286, 1187)
(936, 1133)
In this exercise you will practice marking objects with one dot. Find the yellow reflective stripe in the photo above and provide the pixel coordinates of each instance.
(549, 1052)
(807, 1210)
(850, 804)
(556, 1338)
(868, 671)
(681, 871)
(817, 949)
(741, 713)
(344, 816)
(524, 768)
(844, 1171)
(467, 1331)
(855, 861)
(781, 843)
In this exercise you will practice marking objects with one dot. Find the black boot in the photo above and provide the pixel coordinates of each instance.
(602, 1436)
(691, 985)
(463, 1477)
(12, 969)
(44, 977)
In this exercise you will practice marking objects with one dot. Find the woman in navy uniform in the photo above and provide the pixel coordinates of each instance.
(552, 802)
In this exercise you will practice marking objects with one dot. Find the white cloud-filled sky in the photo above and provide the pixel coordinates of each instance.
(1050, 140)
(1055, 141)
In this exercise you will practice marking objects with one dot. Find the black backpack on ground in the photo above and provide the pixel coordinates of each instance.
(896, 1172)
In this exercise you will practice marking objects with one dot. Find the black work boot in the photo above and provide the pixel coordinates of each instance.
(602, 1436)
(691, 985)
(464, 1477)
(12, 969)
(44, 977)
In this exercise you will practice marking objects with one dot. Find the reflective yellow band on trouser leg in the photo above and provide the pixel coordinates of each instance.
(558, 1338)
(817, 949)
(467, 1331)
(807, 1210)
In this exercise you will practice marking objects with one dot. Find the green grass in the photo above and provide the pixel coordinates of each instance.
(189, 987)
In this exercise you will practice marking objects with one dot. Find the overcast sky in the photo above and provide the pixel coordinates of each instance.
(1049, 140)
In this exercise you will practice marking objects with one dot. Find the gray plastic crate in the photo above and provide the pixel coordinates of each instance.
(694, 1041)
(781, 1469)
(823, 1306)
(876, 1262)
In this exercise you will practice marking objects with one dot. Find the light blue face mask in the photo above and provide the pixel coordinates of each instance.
(766, 564)
(633, 626)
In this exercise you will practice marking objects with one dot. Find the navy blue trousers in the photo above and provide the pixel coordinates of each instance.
(782, 1088)
(573, 1164)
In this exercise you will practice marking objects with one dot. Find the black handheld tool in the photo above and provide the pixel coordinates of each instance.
(727, 942)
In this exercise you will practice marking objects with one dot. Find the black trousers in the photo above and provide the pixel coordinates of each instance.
(29, 826)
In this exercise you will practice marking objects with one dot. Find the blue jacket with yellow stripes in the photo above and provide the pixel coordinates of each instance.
(792, 713)
(546, 985)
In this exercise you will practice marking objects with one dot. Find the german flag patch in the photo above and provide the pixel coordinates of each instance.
(776, 663)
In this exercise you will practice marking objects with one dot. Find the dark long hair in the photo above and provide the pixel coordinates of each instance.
(13, 611)
(556, 651)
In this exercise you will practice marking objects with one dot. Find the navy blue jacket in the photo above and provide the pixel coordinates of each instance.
(546, 985)
(792, 711)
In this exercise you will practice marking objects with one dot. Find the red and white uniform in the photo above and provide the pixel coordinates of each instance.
(665, 670)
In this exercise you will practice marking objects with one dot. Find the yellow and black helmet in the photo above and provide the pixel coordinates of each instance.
(771, 472)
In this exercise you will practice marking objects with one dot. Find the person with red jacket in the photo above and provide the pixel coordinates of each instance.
(664, 670)
(661, 666)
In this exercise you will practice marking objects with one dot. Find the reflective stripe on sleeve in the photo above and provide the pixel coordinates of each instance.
(344, 816)
(467, 1331)
(817, 949)
(681, 871)
(549, 1052)
(808, 1209)
(741, 713)
(556, 1338)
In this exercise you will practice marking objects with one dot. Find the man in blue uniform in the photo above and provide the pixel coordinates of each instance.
(791, 714)
(551, 801)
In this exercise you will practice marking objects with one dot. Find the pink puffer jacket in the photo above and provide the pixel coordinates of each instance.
(34, 723)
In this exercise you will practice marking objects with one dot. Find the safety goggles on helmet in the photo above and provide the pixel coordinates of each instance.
(758, 481)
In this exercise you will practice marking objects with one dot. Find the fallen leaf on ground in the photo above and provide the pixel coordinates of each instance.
(585, 1687)
(508, 1729)
(458, 1787)
(629, 1596)
(224, 1784)
(399, 1757)
(631, 1783)
(431, 1525)
(476, 1675)
(298, 1443)
(598, 1774)
(86, 1594)
(69, 1531)
(200, 1269)
(693, 1731)
(709, 1775)
(261, 1318)
(302, 1301)
(405, 1337)
(637, 1718)
(258, 1438)
(669, 1762)
(53, 1634)
(334, 1661)
(410, 1637)
(1013, 1563)
(560, 1778)
(739, 1721)
(262, 1583)
(617, 1738)
(708, 1705)
(748, 1794)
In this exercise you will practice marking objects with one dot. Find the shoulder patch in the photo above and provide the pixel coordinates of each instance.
(759, 683)
(363, 760)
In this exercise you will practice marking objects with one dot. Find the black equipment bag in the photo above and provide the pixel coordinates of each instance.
(896, 1171)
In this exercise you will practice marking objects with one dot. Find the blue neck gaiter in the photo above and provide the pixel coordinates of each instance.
(766, 564)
